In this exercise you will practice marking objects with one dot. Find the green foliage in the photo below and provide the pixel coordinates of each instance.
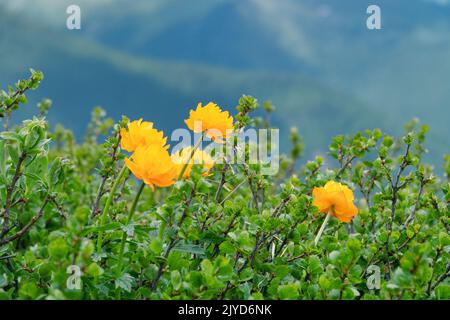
(14, 96)
(234, 234)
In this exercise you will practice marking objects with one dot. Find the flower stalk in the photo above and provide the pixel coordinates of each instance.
(129, 218)
(124, 234)
(322, 228)
(104, 215)
(185, 165)
(162, 227)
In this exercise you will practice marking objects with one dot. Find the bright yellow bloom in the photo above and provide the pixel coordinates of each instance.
(217, 124)
(336, 199)
(182, 157)
(153, 165)
(141, 133)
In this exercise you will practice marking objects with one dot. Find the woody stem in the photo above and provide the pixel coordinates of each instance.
(104, 214)
(324, 224)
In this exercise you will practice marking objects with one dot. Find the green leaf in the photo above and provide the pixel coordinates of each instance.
(354, 245)
(207, 267)
(175, 278)
(125, 282)
(94, 270)
(28, 290)
(190, 248)
(58, 249)
(314, 265)
(442, 291)
(324, 282)
(156, 246)
(288, 291)
(196, 279)
(227, 247)
(32, 180)
(350, 293)
(13, 153)
(11, 136)
(56, 174)
(282, 271)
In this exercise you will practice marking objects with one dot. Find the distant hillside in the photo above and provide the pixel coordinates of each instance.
(401, 71)
(317, 62)
(80, 74)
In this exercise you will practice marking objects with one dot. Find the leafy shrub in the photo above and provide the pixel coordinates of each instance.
(232, 234)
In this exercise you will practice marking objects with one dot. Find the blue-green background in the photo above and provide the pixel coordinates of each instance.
(315, 60)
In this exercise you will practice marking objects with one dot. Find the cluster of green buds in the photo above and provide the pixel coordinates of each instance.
(245, 105)
(13, 97)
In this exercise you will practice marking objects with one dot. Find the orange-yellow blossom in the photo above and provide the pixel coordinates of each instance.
(336, 199)
(153, 165)
(141, 133)
(182, 157)
(217, 124)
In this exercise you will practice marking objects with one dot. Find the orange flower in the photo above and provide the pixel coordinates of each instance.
(336, 199)
(141, 133)
(153, 165)
(217, 124)
(200, 157)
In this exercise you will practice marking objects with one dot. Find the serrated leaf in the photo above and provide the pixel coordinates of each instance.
(125, 282)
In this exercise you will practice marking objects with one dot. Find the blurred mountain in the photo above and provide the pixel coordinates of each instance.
(316, 60)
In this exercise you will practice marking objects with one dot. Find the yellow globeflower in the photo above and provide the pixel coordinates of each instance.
(153, 165)
(217, 124)
(141, 133)
(183, 156)
(336, 199)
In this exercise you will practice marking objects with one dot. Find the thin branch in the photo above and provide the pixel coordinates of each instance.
(440, 279)
(222, 180)
(345, 165)
(395, 188)
(416, 206)
(252, 189)
(405, 243)
(231, 192)
(296, 257)
(224, 234)
(277, 210)
(7, 257)
(9, 192)
(285, 240)
(101, 191)
(258, 243)
(27, 227)
(59, 207)
(15, 97)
